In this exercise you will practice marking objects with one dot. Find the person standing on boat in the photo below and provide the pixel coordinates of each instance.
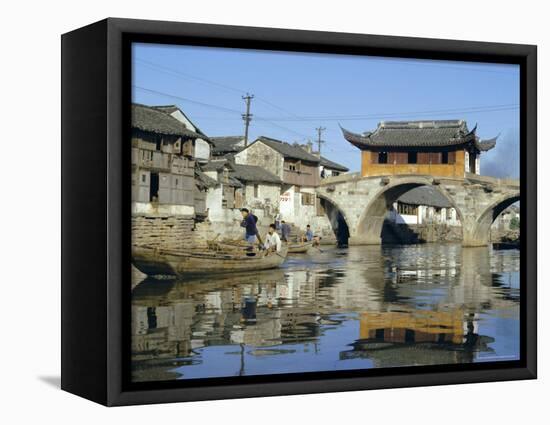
(272, 239)
(285, 231)
(249, 223)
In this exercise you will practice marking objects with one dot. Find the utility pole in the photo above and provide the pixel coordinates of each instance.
(247, 117)
(319, 139)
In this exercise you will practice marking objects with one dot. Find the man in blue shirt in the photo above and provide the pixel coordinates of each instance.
(309, 234)
(249, 223)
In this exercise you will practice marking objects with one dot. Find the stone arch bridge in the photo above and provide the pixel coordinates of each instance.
(364, 201)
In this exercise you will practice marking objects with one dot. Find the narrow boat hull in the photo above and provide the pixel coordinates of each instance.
(299, 248)
(155, 262)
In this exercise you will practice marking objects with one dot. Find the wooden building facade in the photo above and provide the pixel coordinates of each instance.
(163, 162)
(443, 148)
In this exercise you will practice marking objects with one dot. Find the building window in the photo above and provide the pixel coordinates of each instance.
(256, 191)
(154, 187)
(143, 178)
(406, 209)
(412, 157)
(444, 157)
(308, 199)
(382, 157)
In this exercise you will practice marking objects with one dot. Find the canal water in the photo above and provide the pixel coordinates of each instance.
(339, 309)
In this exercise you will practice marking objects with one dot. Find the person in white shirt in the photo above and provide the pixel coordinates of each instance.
(272, 239)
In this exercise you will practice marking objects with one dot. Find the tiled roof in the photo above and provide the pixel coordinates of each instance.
(214, 165)
(288, 150)
(327, 163)
(425, 195)
(253, 173)
(204, 181)
(438, 133)
(170, 109)
(226, 144)
(151, 120)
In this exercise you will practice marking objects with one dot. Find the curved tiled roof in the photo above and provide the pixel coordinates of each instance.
(435, 133)
(425, 195)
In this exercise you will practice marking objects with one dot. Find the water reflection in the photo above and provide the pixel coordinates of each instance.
(357, 308)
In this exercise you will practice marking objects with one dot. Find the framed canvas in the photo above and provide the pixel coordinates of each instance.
(252, 212)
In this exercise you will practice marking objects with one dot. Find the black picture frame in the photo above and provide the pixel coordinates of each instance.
(96, 206)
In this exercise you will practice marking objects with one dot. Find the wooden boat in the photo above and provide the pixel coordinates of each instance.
(169, 262)
(299, 247)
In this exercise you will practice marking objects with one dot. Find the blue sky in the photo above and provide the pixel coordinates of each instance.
(297, 92)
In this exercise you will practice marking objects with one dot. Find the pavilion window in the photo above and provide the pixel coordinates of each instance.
(382, 157)
(412, 157)
(444, 157)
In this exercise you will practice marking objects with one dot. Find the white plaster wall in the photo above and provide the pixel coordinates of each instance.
(202, 149)
(183, 119)
(397, 218)
(266, 193)
(261, 155)
(286, 204)
(292, 211)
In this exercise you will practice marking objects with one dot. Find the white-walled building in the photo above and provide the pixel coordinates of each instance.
(300, 172)
(241, 186)
(423, 205)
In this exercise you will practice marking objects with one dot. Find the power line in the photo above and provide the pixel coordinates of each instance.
(174, 72)
(297, 118)
(473, 109)
(179, 73)
(221, 108)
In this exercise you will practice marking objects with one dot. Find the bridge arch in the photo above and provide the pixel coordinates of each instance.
(478, 233)
(337, 217)
(371, 221)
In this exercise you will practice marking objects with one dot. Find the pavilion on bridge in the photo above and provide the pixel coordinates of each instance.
(443, 147)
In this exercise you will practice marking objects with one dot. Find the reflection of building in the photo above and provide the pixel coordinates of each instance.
(400, 306)
(417, 326)
(439, 147)
(419, 337)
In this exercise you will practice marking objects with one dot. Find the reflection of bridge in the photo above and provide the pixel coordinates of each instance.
(364, 201)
